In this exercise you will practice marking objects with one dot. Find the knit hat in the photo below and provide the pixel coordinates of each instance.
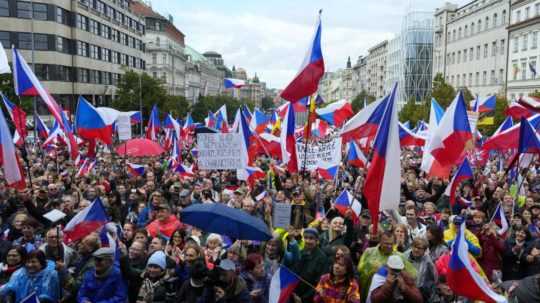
(311, 231)
(158, 258)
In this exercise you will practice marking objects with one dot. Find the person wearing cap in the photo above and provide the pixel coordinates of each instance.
(156, 284)
(104, 282)
(165, 223)
(375, 257)
(392, 284)
(312, 264)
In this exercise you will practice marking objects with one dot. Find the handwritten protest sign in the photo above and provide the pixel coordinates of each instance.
(220, 151)
(325, 153)
(282, 215)
(123, 124)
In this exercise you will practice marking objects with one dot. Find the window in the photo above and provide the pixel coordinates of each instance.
(100, 7)
(453, 58)
(478, 52)
(24, 10)
(105, 31)
(492, 79)
(459, 33)
(464, 55)
(114, 35)
(40, 11)
(123, 59)
(115, 78)
(466, 33)
(94, 26)
(62, 44)
(82, 22)
(470, 80)
(523, 70)
(458, 57)
(454, 35)
(515, 70)
(532, 66)
(82, 75)
(504, 17)
(534, 40)
(164, 58)
(518, 16)
(515, 45)
(123, 39)
(464, 79)
(485, 50)
(164, 77)
(94, 51)
(4, 8)
(471, 54)
(154, 58)
(525, 41)
(527, 11)
(154, 75)
(114, 57)
(105, 54)
(486, 26)
(494, 48)
(477, 78)
(495, 20)
(82, 48)
(61, 16)
(109, 11)
(92, 76)
(501, 76)
(479, 25)
(503, 47)
(24, 40)
(42, 71)
(5, 39)
(449, 37)
(41, 42)
(157, 41)
(472, 29)
(484, 78)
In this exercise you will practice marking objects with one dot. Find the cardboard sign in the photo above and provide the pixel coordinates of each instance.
(123, 125)
(282, 215)
(325, 153)
(220, 151)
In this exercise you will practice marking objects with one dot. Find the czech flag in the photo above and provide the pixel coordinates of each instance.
(135, 169)
(288, 143)
(529, 143)
(41, 127)
(259, 121)
(366, 122)
(306, 82)
(210, 120)
(136, 117)
(18, 116)
(320, 128)
(336, 113)
(463, 173)
(408, 138)
(328, 173)
(86, 167)
(233, 83)
(9, 160)
(221, 119)
(86, 221)
(247, 113)
(152, 129)
(499, 217)
(282, 285)
(270, 145)
(461, 276)
(90, 124)
(506, 124)
(448, 140)
(248, 152)
(382, 184)
(421, 128)
(509, 138)
(485, 106)
(517, 111)
(250, 174)
(346, 200)
(184, 170)
(355, 156)
(27, 84)
(530, 103)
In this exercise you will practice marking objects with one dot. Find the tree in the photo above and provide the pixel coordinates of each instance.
(467, 95)
(213, 103)
(267, 103)
(358, 101)
(414, 112)
(178, 106)
(7, 88)
(443, 92)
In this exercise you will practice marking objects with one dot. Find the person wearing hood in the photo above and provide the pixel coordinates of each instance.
(156, 286)
(426, 275)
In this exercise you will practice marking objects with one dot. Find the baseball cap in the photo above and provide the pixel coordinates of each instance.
(395, 262)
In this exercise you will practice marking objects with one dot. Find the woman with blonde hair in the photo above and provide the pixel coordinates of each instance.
(402, 237)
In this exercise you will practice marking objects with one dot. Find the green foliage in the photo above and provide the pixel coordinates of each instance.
(8, 89)
(267, 103)
(500, 107)
(467, 95)
(358, 101)
(443, 92)
(414, 112)
(535, 94)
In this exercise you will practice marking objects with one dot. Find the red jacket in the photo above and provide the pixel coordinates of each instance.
(166, 228)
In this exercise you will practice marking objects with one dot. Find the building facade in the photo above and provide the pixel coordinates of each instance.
(164, 42)
(338, 85)
(359, 80)
(79, 47)
(376, 69)
(523, 55)
(471, 45)
(203, 78)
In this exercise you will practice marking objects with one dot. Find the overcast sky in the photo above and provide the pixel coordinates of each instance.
(271, 37)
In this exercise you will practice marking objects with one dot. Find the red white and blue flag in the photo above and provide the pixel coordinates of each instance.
(221, 117)
(184, 170)
(382, 184)
(18, 116)
(346, 201)
(529, 141)
(86, 167)
(233, 83)
(91, 124)
(499, 218)
(461, 276)
(9, 160)
(259, 121)
(328, 173)
(306, 81)
(41, 127)
(135, 170)
(517, 111)
(336, 113)
(27, 84)
(409, 138)
(366, 122)
(355, 156)
(509, 138)
(463, 173)
(288, 142)
(250, 174)
(485, 106)
(152, 130)
(282, 285)
(86, 221)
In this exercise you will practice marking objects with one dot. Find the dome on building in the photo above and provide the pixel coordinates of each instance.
(212, 54)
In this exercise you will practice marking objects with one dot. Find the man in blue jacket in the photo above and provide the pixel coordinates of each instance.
(104, 283)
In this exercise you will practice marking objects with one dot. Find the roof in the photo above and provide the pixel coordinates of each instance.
(195, 56)
(211, 54)
(144, 10)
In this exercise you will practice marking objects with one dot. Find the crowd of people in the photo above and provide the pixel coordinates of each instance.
(336, 254)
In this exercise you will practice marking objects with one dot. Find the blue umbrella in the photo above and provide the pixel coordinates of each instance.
(224, 220)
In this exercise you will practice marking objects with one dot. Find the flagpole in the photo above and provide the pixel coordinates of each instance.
(307, 133)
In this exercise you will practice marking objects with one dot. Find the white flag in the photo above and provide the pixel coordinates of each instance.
(4, 66)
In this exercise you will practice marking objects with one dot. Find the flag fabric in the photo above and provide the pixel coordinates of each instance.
(346, 201)
(152, 130)
(41, 127)
(259, 121)
(4, 65)
(408, 138)
(336, 113)
(86, 167)
(463, 173)
(531, 103)
(233, 83)
(9, 160)
(261, 196)
(328, 173)
(210, 120)
(529, 142)
(499, 218)
(320, 128)
(136, 117)
(509, 138)
(250, 174)
(355, 156)
(184, 170)
(382, 183)
(18, 116)
(31, 298)
(366, 122)
(27, 84)
(221, 117)
(486, 105)
(91, 124)
(461, 276)
(135, 169)
(516, 111)
(429, 165)
(453, 132)
(86, 221)
(288, 142)
(270, 145)
(282, 285)
(246, 149)
(306, 81)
